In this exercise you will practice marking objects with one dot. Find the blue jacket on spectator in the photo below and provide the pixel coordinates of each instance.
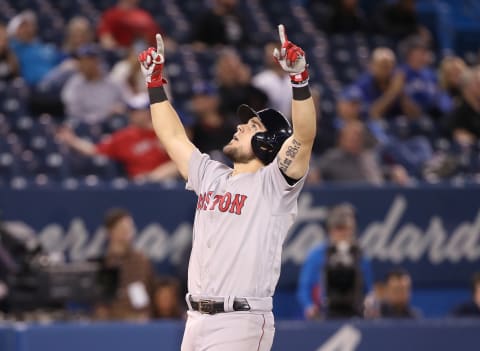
(311, 276)
(422, 87)
(371, 92)
(35, 59)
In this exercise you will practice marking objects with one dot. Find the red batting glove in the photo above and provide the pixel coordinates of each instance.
(292, 59)
(151, 63)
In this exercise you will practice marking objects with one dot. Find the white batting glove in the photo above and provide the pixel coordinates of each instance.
(151, 63)
(292, 59)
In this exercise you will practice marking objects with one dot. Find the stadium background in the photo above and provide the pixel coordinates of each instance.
(54, 199)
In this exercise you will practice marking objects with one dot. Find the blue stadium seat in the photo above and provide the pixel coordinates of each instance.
(111, 125)
(335, 60)
(91, 181)
(3, 89)
(55, 166)
(11, 106)
(11, 143)
(70, 183)
(92, 132)
(8, 166)
(4, 125)
(29, 163)
(19, 182)
(105, 168)
(119, 182)
(99, 166)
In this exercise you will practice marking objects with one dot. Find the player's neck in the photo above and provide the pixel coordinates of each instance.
(249, 167)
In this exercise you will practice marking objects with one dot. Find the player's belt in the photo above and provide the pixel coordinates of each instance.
(212, 306)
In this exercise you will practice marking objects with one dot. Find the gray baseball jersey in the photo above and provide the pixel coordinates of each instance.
(240, 224)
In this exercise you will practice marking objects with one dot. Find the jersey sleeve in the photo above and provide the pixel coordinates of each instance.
(277, 188)
(202, 171)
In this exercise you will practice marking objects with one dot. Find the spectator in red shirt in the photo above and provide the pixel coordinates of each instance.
(125, 23)
(136, 147)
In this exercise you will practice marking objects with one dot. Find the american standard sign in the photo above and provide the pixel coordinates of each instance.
(422, 229)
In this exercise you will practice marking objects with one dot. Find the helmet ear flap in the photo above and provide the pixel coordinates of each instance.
(267, 144)
(263, 141)
(263, 148)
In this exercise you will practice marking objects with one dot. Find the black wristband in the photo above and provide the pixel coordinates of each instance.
(157, 94)
(301, 93)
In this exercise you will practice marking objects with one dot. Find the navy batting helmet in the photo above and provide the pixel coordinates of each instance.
(267, 144)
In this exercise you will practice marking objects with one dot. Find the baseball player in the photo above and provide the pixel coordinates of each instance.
(243, 213)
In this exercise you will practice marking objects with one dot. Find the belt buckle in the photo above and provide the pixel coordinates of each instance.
(206, 306)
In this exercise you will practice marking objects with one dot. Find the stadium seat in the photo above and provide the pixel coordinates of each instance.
(8, 165)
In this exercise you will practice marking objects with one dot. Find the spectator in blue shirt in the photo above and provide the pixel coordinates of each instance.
(421, 83)
(36, 58)
(382, 88)
(312, 290)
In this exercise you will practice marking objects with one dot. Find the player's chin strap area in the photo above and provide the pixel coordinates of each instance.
(215, 304)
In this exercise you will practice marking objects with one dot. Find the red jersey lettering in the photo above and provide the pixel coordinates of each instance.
(237, 204)
(225, 203)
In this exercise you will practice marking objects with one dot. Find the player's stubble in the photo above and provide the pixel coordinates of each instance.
(235, 154)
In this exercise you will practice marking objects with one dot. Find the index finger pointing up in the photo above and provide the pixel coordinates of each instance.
(282, 34)
(159, 44)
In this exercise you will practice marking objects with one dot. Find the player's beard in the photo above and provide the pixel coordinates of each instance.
(236, 156)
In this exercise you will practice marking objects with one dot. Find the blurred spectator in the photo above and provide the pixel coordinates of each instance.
(166, 299)
(373, 301)
(411, 155)
(349, 104)
(128, 75)
(125, 23)
(326, 130)
(10, 263)
(47, 98)
(450, 73)
(350, 160)
(90, 96)
(233, 78)
(220, 25)
(79, 33)
(335, 274)
(36, 59)
(399, 19)
(3, 296)
(134, 296)
(346, 17)
(464, 122)
(8, 61)
(211, 129)
(380, 91)
(396, 303)
(136, 147)
(421, 84)
(470, 308)
(381, 87)
(275, 83)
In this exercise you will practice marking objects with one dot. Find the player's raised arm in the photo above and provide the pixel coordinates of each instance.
(294, 156)
(166, 122)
